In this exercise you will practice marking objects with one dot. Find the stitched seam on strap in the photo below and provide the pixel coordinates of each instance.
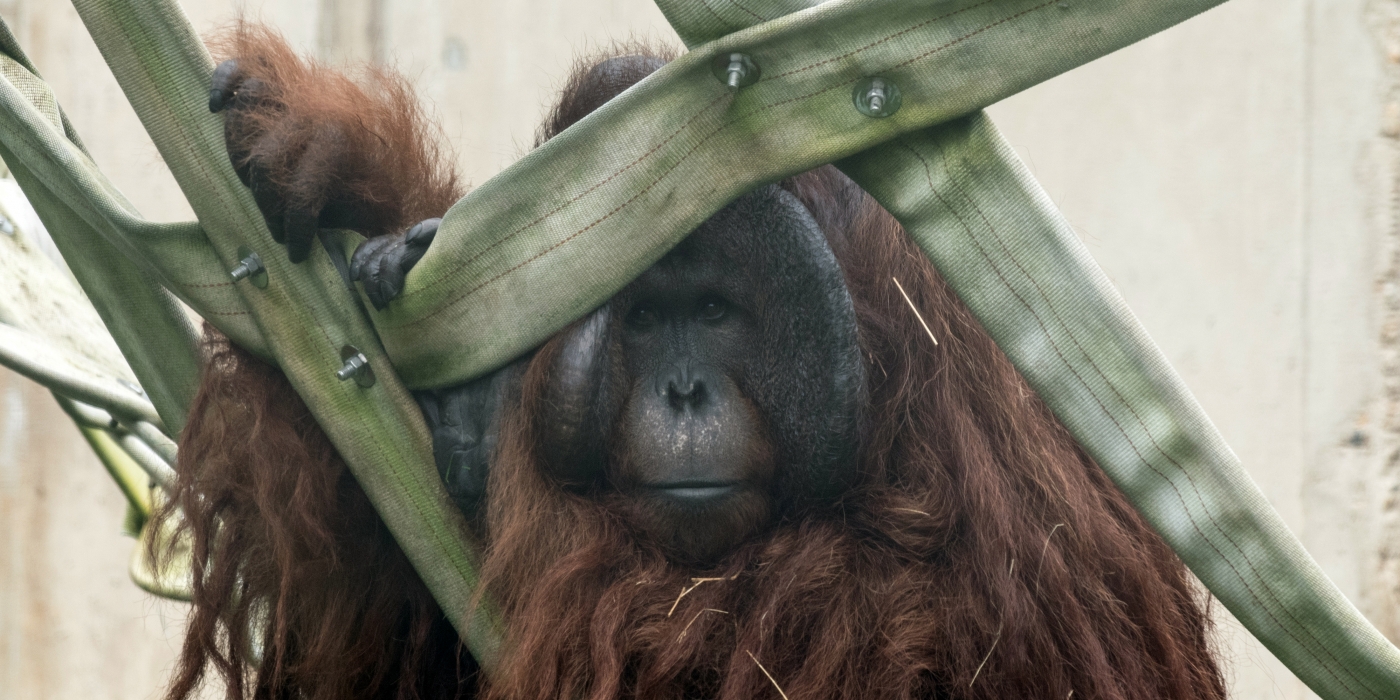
(965, 37)
(898, 34)
(706, 4)
(1264, 581)
(745, 10)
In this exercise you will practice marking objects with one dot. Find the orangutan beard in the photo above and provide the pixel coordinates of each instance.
(608, 614)
(892, 596)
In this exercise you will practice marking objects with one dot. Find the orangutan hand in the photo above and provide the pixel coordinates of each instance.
(381, 264)
(289, 170)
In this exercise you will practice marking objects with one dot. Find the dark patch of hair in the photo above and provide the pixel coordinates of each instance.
(596, 79)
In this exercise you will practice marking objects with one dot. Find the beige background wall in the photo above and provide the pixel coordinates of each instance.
(1236, 176)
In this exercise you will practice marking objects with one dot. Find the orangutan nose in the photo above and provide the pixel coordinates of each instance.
(685, 388)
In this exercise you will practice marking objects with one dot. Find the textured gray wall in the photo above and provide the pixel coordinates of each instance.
(1236, 177)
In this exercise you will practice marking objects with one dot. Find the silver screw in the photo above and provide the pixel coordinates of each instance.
(736, 72)
(247, 267)
(875, 97)
(353, 365)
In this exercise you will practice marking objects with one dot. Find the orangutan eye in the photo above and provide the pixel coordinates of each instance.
(713, 309)
(642, 317)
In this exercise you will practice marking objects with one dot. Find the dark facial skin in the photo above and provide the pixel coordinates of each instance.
(734, 387)
(694, 454)
(684, 340)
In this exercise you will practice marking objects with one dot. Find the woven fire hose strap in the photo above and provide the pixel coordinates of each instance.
(963, 195)
(75, 377)
(306, 317)
(564, 228)
(701, 21)
(971, 205)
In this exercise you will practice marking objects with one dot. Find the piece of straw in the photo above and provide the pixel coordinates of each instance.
(915, 309)
(1041, 568)
(685, 629)
(695, 583)
(978, 672)
(770, 676)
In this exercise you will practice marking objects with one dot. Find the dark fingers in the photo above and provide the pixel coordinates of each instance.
(223, 85)
(416, 243)
(376, 265)
(367, 252)
(422, 233)
(269, 200)
(385, 277)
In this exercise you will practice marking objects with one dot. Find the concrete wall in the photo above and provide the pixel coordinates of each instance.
(1236, 176)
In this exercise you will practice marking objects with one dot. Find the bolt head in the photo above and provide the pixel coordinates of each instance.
(355, 365)
(250, 267)
(735, 70)
(876, 97)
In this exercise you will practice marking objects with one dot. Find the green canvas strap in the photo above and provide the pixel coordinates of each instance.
(963, 195)
(164, 69)
(558, 232)
(88, 220)
(72, 376)
(304, 319)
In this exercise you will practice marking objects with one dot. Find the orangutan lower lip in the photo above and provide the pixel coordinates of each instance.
(696, 490)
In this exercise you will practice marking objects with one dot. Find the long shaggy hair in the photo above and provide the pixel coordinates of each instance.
(982, 554)
(299, 590)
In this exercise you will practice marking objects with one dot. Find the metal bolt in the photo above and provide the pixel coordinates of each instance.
(877, 97)
(352, 367)
(6, 226)
(736, 74)
(250, 267)
(356, 367)
(735, 70)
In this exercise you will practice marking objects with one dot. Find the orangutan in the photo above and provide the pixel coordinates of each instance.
(751, 473)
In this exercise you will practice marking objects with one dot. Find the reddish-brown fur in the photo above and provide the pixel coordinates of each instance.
(275, 517)
(362, 147)
(982, 554)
